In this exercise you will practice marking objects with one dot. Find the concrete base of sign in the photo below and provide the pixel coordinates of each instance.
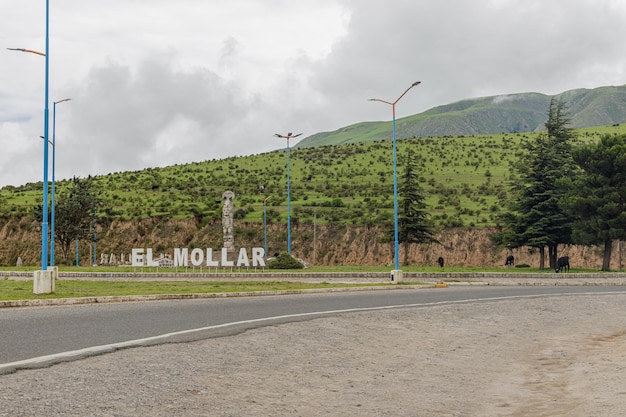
(44, 282)
(396, 276)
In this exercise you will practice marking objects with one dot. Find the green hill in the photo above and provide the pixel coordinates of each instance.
(465, 180)
(513, 113)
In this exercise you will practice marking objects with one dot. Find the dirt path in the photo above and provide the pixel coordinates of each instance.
(534, 357)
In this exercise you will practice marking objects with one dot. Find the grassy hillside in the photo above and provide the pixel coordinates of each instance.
(465, 179)
(526, 112)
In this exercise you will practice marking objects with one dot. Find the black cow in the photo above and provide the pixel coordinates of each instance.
(510, 261)
(440, 261)
(562, 264)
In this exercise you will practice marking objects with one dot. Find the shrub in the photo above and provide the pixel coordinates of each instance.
(285, 261)
(240, 213)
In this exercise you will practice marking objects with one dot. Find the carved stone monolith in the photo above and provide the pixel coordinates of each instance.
(227, 220)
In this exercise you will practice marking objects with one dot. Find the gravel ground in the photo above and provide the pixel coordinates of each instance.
(534, 357)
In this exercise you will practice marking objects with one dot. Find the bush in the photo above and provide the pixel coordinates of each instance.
(285, 261)
(240, 213)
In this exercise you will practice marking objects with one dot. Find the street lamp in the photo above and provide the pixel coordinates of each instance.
(44, 215)
(288, 136)
(265, 225)
(44, 280)
(395, 171)
(54, 123)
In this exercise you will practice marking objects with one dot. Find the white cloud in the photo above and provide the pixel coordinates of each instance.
(161, 82)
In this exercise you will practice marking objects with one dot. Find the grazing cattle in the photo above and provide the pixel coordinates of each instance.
(510, 261)
(440, 261)
(562, 264)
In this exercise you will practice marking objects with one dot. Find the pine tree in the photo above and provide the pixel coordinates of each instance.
(413, 223)
(599, 196)
(537, 217)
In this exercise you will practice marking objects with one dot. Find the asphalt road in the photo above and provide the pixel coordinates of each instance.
(37, 336)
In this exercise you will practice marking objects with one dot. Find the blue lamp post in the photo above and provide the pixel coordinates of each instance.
(95, 234)
(44, 215)
(265, 226)
(52, 206)
(44, 223)
(395, 170)
(288, 136)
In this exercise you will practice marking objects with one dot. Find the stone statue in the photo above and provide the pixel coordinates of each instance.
(227, 219)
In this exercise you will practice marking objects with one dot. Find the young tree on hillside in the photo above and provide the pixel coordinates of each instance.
(413, 223)
(598, 198)
(74, 213)
(537, 218)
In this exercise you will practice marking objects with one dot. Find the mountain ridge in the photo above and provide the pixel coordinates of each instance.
(508, 113)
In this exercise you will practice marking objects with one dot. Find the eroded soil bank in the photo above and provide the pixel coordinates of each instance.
(319, 245)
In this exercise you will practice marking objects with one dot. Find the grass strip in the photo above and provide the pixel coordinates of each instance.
(23, 289)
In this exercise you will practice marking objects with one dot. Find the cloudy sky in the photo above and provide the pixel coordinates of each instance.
(162, 82)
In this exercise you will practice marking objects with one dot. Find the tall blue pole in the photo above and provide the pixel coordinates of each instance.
(395, 191)
(395, 172)
(54, 124)
(44, 221)
(95, 236)
(288, 201)
(288, 136)
(265, 227)
(54, 150)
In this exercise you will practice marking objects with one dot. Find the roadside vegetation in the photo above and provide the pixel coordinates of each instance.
(567, 194)
(465, 181)
(23, 289)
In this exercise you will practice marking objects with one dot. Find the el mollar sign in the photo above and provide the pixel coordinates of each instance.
(201, 257)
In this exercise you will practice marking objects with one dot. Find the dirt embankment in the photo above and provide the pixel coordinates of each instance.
(320, 244)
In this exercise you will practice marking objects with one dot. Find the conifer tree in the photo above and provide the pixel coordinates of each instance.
(537, 217)
(413, 223)
(598, 198)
